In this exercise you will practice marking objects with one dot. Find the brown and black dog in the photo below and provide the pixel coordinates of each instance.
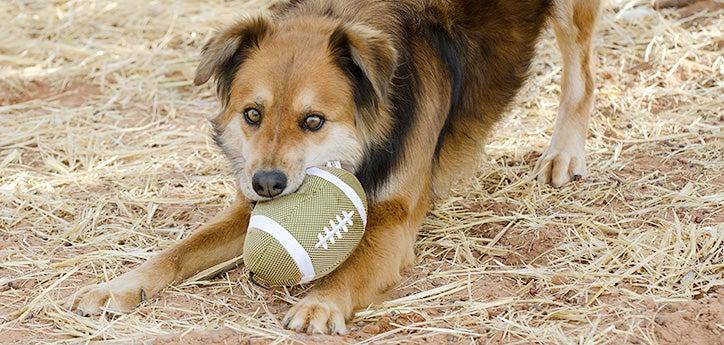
(403, 93)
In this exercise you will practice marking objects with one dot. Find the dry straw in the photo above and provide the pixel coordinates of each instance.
(105, 160)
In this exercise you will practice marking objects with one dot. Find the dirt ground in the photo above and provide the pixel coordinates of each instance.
(105, 159)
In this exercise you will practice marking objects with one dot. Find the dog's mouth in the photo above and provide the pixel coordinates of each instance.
(294, 182)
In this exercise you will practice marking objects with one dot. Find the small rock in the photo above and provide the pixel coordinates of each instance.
(559, 280)
(384, 323)
(371, 329)
(649, 303)
(659, 320)
(635, 14)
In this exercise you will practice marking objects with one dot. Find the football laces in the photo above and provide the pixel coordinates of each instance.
(335, 229)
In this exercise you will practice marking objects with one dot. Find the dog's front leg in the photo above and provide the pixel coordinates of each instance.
(219, 240)
(386, 247)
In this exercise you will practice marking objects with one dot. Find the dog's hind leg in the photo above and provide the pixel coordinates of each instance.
(564, 160)
(220, 240)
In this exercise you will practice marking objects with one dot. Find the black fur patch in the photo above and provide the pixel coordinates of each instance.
(216, 132)
(486, 69)
(362, 89)
(447, 48)
(226, 71)
(380, 160)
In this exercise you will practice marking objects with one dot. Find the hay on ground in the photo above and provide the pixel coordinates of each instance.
(105, 159)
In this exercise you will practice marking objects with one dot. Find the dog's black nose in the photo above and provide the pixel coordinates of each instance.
(269, 183)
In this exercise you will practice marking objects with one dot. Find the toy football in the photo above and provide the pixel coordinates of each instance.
(305, 235)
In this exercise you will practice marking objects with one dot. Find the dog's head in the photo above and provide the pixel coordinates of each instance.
(294, 94)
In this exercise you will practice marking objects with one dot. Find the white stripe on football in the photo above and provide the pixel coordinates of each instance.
(307, 234)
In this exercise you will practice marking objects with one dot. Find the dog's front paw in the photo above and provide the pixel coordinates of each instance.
(120, 295)
(315, 315)
(564, 161)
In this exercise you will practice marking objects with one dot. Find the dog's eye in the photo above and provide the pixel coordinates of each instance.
(252, 116)
(313, 123)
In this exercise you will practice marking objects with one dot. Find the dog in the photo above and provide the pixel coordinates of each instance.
(402, 93)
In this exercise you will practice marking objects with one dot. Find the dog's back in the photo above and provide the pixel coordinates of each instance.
(479, 50)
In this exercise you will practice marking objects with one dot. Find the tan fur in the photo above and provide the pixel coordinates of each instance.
(220, 240)
(364, 274)
(277, 86)
(278, 77)
(564, 160)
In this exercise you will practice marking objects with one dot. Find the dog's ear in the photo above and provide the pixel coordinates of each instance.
(225, 52)
(369, 59)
